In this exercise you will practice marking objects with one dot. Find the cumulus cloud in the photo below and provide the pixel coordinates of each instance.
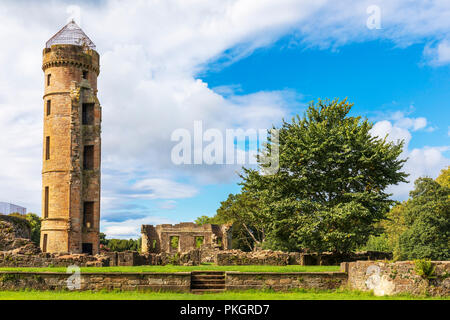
(130, 228)
(151, 54)
(438, 54)
(427, 161)
(163, 189)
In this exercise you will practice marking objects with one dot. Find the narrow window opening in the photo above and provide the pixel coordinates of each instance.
(88, 113)
(88, 161)
(44, 244)
(49, 77)
(46, 201)
(199, 242)
(49, 107)
(174, 242)
(85, 74)
(47, 148)
(88, 214)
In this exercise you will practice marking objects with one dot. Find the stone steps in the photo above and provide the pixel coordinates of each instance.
(207, 281)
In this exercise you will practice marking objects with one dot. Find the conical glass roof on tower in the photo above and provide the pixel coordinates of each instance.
(71, 34)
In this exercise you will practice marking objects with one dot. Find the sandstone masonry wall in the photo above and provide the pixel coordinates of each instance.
(278, 258)
(12, 260)
(70, 188)
(14, 233)
(179, 282)
(26, 257)
(387, 278)
(284, 281)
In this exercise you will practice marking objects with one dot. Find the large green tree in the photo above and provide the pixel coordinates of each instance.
(427, 218)
(330, 188)
(444, 177)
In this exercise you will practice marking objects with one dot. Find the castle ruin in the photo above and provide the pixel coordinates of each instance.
(184, 237)
(72, 143)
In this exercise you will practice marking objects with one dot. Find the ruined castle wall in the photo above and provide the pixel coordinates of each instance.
(388, 278)
(178, 282)
(70, 185)
(150, 240)
(14, 232)
(240, 258)
(187, 234)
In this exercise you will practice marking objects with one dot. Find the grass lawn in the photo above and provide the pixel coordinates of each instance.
(229, 295)
(170, 268)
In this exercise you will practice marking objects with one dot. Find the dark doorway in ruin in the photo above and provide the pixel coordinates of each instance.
(87, 248)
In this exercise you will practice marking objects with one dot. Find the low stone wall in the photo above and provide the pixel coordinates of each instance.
(178, 282)
(240, 258)
(382, 277)
(386, 278)
(334, 259)
(284, 281)
(12, 259)
(9, 259)
(278, 258)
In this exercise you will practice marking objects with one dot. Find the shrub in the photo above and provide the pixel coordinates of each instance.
(425, 268)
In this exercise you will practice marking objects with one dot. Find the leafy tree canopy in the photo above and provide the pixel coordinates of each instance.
(330, 187)
(427, 219)
(120, 245)
(444, 178)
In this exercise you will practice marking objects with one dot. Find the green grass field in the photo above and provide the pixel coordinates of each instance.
(170, 268)
(229, 295)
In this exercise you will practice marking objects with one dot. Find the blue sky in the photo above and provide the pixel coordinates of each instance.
(378, 77)
(229, 64)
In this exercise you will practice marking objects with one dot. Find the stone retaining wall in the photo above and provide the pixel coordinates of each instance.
(9, 259)
(383, 278)
(386, 278)
(284, 281)
(12, 259)
(240, 258)
(278, 258)
(178, 282)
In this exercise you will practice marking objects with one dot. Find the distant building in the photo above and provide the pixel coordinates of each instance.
(184, 237)
(7, 208)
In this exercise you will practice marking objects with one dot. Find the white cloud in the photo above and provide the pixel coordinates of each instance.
(130, 228)
(395, 134)
(438, 54)
(426, 161)
(163, 189)
(151, 53)
(168, 205)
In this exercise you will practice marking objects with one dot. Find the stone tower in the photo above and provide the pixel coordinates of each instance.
(72, 144)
